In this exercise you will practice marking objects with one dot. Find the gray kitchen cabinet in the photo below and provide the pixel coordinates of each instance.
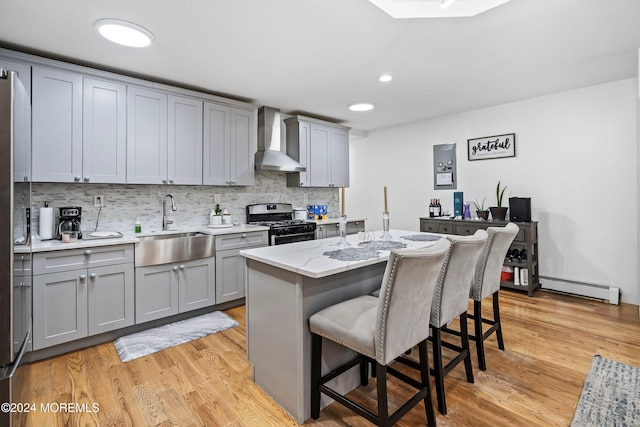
(164, 138)
(22, 143)
(147, 118)
(168, 289)
(332, 229)
(79, 127)
(184, 141)
(229, 145)
(56, 125)
(323, 148)
(230, 265)
(104, 132)
(81, 292)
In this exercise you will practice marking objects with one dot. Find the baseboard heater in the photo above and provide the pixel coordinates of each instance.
(592, 290)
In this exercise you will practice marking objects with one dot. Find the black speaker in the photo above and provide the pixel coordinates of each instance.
(520, 209)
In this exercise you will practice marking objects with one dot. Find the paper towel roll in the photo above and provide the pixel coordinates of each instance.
(46, 223)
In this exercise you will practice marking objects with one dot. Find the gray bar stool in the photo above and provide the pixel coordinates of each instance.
(380, 330)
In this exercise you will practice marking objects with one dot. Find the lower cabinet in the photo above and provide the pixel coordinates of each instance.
(230, 265)
(70, 305)
(332, 229)
(168, 289)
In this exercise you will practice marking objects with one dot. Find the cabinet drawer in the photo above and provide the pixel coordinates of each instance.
(241, 240)
(467, 229)
(332, 230)
(57, 261)
(428, 226)
(353, 227)
(445, 228)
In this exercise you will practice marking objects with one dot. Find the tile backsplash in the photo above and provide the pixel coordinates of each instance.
(125, 203)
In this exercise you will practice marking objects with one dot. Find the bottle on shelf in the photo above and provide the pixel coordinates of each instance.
(432, 208)
(138, 226)
(437, 211)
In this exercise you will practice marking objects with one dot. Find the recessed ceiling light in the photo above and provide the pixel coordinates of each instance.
(361, 106)
(386, 78)
(124, 33)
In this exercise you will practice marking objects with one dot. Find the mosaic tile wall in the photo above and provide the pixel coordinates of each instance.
(125, 203)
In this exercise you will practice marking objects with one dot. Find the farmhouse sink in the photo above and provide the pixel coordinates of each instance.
(175, 247)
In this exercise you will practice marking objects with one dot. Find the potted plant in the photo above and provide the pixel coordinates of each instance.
(499, 213)
(481, 212)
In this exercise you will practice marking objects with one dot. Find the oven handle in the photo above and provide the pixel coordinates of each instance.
(287, 236)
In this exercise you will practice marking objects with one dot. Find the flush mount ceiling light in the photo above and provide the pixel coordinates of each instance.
(361, 106)
(385, 78)
(124, 33)
(435, 8)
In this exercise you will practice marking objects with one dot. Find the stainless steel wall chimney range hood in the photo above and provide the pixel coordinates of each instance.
(267, 157)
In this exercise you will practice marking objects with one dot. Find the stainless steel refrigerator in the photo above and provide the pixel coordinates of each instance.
(15, 257)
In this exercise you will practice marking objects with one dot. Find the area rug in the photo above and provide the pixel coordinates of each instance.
(153, 340)
(610, 396)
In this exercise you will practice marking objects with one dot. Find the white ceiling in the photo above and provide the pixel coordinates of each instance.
(318, 56)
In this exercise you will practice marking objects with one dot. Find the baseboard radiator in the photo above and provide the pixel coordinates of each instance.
(591, 290)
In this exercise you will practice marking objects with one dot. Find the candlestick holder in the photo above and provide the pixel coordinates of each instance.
(385, 226)
(342, 243)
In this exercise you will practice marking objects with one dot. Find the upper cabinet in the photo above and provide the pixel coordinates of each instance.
(22, 140)
(56, 125)
(104, 133)
(79, 127)
(164, 138)
(320, 146)
(229, 145)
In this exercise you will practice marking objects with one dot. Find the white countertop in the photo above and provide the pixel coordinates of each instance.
(130, 237)
(307, 257)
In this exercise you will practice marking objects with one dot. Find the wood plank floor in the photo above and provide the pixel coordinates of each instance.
(550, 340)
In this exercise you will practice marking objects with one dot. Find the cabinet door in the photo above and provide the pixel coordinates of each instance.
(59, 308)
(332, 230)
(319, 173)
(111, 298)
(21, 140)
(197, 284)
(156, 292)
(104, 133)
(217, 137)
(339, 157)
(56, 125)
(229, 276)
(243, 147)
(146, 136)
(354, 227)
(298, 139)
(185, 141)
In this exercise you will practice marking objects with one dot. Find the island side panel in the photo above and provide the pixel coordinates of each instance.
(279, 304)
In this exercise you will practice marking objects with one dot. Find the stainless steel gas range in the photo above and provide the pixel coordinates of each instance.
(282, 227)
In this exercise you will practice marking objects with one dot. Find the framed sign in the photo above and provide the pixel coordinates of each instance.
(492, 147)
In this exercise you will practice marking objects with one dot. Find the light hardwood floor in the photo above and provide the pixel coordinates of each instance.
(550, 340)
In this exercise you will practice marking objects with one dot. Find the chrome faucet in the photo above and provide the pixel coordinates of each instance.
(165, 221)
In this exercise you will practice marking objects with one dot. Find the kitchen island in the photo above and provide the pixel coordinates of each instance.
(285, 285)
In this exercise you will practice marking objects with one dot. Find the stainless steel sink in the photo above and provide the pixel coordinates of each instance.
(175, 247)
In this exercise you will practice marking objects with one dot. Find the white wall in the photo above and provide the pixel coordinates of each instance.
(576, 157)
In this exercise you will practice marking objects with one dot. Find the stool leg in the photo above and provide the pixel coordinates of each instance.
(477, 321)
(438, 370)
(316, 366)
(424, 377)
(383, 408)
(364, 372)
(464, 338)
(496, 319)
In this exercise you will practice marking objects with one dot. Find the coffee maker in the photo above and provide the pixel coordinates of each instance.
(69, 220)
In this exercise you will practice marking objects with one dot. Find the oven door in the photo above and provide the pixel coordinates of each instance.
(291, 238)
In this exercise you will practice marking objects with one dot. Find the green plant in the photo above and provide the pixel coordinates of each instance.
(479, 206)
(500, 194)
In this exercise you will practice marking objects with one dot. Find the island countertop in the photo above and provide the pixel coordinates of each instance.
(312, 258)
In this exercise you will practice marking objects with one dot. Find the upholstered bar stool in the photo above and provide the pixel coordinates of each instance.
(486, 282)
(380, 330)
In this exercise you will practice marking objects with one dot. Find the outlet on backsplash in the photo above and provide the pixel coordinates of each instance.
(306, 197)
(98, 200)
(216, 198)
